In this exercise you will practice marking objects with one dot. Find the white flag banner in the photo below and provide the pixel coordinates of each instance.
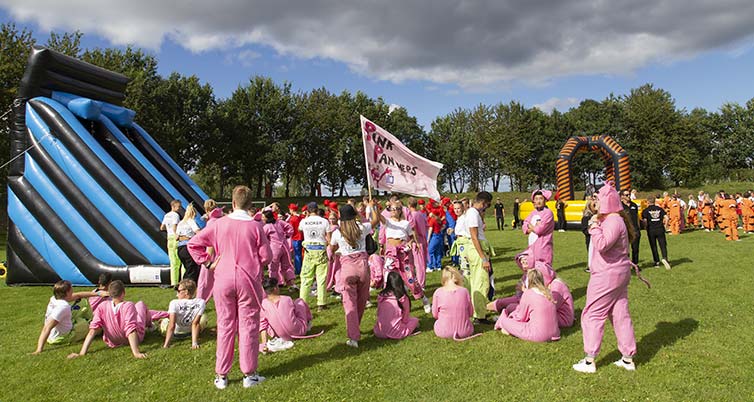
(391, 166)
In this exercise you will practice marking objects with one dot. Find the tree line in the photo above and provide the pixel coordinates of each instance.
(294, 143)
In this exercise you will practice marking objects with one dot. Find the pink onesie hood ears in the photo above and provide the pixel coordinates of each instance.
(526, 253)
(546, 193)
(216, 213)
(609, 199)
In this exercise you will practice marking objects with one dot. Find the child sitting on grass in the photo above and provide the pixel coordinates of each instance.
(62, 324)
(535, 318)
(186, 315)
(122, 322)
(451, 307)
(282, 318)
(394, 319)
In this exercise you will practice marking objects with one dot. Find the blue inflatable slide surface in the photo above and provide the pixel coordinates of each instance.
(88, 187)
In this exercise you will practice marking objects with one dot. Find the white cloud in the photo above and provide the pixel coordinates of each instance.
(472, 44)
(557, 103)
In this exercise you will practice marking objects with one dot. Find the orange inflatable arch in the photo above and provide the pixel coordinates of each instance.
(617, 167)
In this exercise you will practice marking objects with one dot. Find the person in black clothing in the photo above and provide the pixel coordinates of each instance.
(500, 214)
(516, 220)
(633, 212)
(654, 219)
(589, 211)
(560, 208)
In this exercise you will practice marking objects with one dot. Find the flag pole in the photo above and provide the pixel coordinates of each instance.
(366, 157)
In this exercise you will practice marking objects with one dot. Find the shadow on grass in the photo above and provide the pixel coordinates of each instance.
(572, 266)
(576, 327)
(578, 293)
(664, 335)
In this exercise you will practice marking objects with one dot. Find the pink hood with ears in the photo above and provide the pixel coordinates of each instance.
(546, 193)
(544, 268)
(216, 213)
(526, 253)
(609, 199)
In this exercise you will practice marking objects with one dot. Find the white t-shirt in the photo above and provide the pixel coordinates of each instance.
(473, 219)
(187, 228)
(692, 204)
(170, 220)
(60, 311)
(397, 229)
(315, 229)
(344, 248)
(534, 220)
(461, 228)
(185, 310)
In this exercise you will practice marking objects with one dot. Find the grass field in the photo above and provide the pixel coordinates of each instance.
(694, 328)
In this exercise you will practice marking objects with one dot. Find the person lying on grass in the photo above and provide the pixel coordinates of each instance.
(63, 325)
(122, 322)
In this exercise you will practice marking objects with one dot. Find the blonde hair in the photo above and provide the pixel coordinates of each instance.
(190, 213)
(537, 281)
(189, 285)
(351, 231)
(450, 273)
(242, 197)
(209, 205)
(60, 289)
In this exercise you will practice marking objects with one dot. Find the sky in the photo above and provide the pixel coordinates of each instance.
(432, 56)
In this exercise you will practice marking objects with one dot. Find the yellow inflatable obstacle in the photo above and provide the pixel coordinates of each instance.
(573, 213)
(3, 270)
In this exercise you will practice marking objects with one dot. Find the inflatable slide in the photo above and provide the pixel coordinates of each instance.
(88, 187)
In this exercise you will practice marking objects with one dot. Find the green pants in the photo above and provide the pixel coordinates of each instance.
(175, 262)
(477, 278)
(78, 332)
(315, 263)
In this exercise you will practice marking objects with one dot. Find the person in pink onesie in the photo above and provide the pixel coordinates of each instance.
(394, 319)
(452, 308)
(349, 241)
(563, 302)
(283, 317)
(103, 283)
(607, 291)
(523, 260)
(241, 250)
(277, 233)
(376, 268)
(121, 322)
(207, 277)
(536, 318)
(333, 258)
(539, 225)
(418, 221)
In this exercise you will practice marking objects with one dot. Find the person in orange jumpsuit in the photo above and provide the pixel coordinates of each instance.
(708, 215)
(675, 214)
(747, 212)
(730, 217)
(692, 217)
(719, 215)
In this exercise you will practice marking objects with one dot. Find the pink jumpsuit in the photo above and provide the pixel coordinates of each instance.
(393, 321)
(535, 319)
(453, 310)
(607, 291)
(287, 319)
(242, 249)
(564, 302)
(129, 317)
(400, 259)
(418, 222)
(96, 301)
(353, 285)
(376, 268)
(207, 277)
(548, 274)
(333, 264)
(541, 249)
(280, 267)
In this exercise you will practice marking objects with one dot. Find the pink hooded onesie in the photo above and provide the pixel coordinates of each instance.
(207, 278)
(535, 319)
(540, 238)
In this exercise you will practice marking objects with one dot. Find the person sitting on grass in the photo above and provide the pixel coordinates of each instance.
(451, 307)
(101, 294)
(186, 315)
(62, 324)
(394, 319)
(122, 322)
(536, 318)
(282, 318)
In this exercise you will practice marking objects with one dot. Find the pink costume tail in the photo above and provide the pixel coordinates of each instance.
(308, 336)
(456, 338)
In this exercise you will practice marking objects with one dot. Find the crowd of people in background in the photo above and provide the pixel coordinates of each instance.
(247, 259)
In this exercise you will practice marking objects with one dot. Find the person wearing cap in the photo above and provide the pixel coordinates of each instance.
(294, 220)
(349, 240)
(539, 225)
(316, 238)
(607, 292)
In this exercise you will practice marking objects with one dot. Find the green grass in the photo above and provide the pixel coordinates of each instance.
(694, 330)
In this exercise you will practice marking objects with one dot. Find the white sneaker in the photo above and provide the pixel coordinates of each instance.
(221, 382)
(582, 367)
(666, 263)
(427, 306)
(252, 380)
(277, 345)
(561, 231)
(628, 366)
(352, 343)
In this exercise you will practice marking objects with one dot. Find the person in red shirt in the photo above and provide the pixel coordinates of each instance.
(297, 237)
(435, 224)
